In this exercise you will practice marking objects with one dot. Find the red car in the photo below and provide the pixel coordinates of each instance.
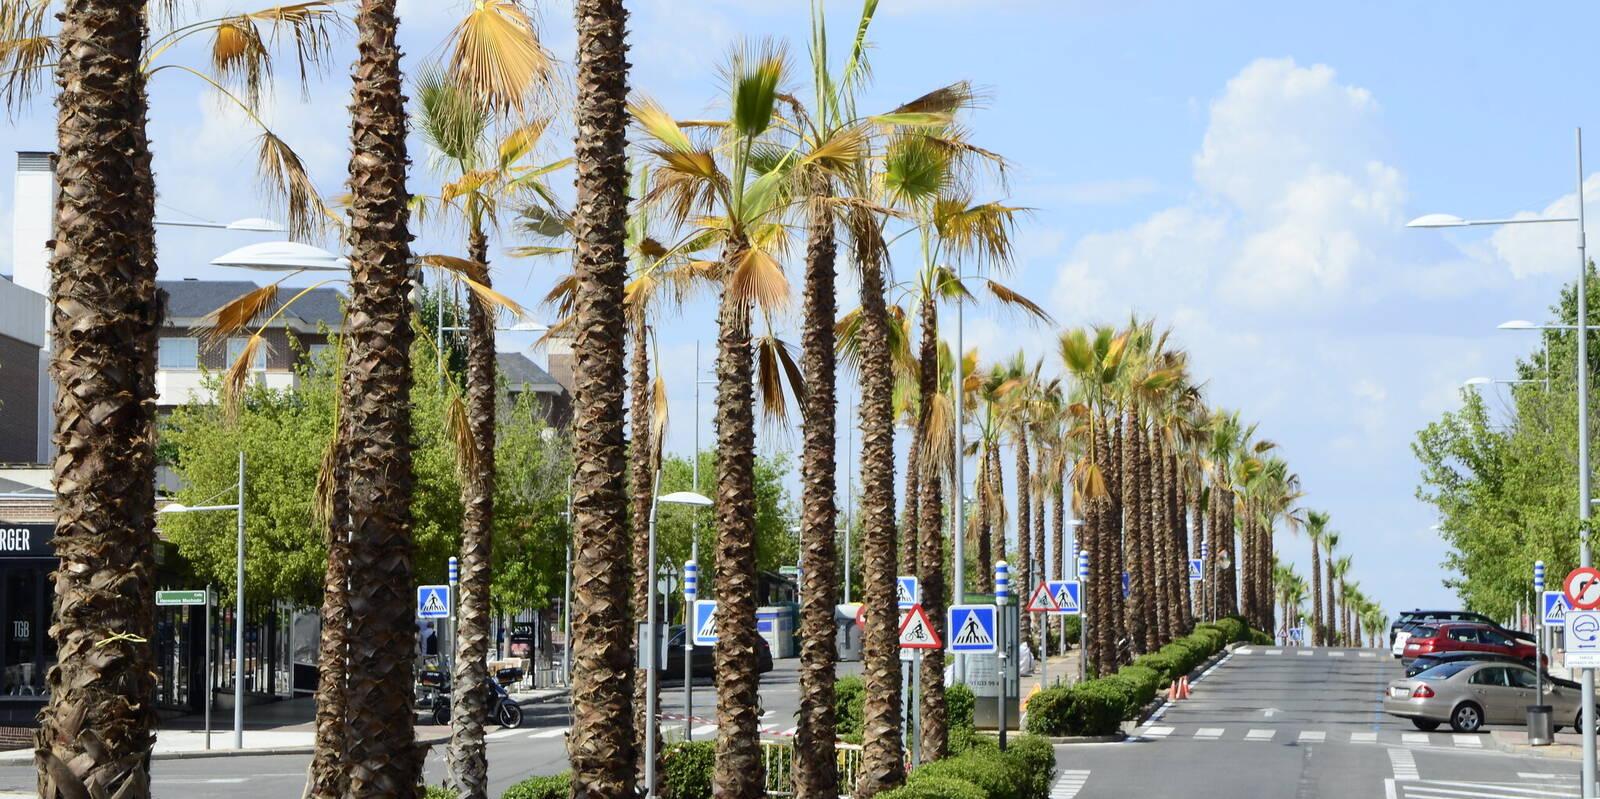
(1468, 637)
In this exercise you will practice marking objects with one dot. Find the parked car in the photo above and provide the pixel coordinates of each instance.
(1469, 694)
(1468, 637)
(704, 663)
(1428, 616)
(1422, 663)
(1398, 639)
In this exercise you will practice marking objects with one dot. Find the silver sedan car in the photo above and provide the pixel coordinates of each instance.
(1468, 695)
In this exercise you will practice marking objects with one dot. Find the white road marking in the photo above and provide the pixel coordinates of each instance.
(1274, 651)
(1313, 736)
(1443, 789)
(791, 731)
(1414, 737)
(1305, 653)
(1158, 732)
(1209, 733)
(498, 734)
(1246, 651)
(1363, 737)
(1336, 654)
(550, 733)
(1369, 654)
(1404, 764)
(1260, 735)
(1545, 775)
(201, 781)
(703, 729)
(1468, 741)
(1068, 784)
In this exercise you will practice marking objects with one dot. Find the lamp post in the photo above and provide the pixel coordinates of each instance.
(238, 598)
(1585, 556)
(1224, 562)
(650, 656)
(1002, 594)
(253, 224)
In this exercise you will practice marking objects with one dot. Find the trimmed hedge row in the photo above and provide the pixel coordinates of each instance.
(552, 787)
(1024, 771)
(1099, 706)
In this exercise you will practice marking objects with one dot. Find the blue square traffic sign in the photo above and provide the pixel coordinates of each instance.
(433, 601)
(705, 622)
(1069, 602)
(1196, 573)
(1555, 609)
(906, 591)
(972, 628)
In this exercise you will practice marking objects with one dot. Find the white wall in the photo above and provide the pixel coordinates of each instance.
(32, 220)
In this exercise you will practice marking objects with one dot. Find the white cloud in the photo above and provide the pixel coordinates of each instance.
(1530, 250)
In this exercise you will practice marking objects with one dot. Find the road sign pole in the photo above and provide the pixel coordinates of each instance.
(206, 682)
(454, 579)
(691, 589)
(1538, 658)
(238, 622)
(916, 708)
(1002, 590)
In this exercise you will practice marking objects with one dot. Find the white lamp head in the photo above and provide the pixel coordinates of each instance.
(1437, 220)
(1476, 381)
(256, 224)
(686, 498)
(172, 507)
(1518, 324)
(283, 256)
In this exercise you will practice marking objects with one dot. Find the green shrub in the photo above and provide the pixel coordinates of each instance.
(959, 702)
(966, 739)
(1232, 628)
(997, 777)
(1036, 759)
(849, 696)
(1138, 685)
(1096, 707)
(1167, 666)
(686, 769)
(438, 792)
(1260, 638)
(550, 787)
(935, 788)
(1047, 711)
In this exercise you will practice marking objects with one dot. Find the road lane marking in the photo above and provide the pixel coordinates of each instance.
(1159, 732)
(550, 733)
(1247, 651)
(703, 729)
(1274, 651)
(1404, 763)
(1468, 741)
(1414, 737)
(1336, 654)
(1313, 736)
(1069, 783)
(1369, 654)
(200, 780)
(1500, 790)
(498, 734)
(1209, 733)
(1545, 775)
(1363, 737)
(1260, 735)
(1305, 653)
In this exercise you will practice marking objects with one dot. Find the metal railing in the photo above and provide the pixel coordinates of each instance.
(777, 760)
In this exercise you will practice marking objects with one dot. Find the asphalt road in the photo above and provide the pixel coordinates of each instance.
(537, 747)
(1301, 723)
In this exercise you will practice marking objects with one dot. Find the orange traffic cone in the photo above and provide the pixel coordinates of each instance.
(1183, 687)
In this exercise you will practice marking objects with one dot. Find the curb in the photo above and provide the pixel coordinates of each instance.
(1067, 740)
(1555, 752)
(199, 754)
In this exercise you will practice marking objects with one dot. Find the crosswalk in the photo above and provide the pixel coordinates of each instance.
(1069, 783)
(1404, 763)
(1291, 735)
(1463, 789)
(1307, 652)
(766, 731)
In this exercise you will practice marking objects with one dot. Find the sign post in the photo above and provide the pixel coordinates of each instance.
(454, 579)
(1083, 620)
(691, 590)
(1043, 601)
(1538, 658)
(918, 635)
(1002, 593)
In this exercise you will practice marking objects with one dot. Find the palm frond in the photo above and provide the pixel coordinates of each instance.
(288, 185)
(754, 74)
(238, 373)
(27, 52)
(236, 314)
(472, 273)
(241, 54)
(757, 279)
(496, 54)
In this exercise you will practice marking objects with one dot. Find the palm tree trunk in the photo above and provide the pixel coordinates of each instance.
(930, 527)
(816, 773)
(1040, 552)
(1201, 588)
(739, 771)
(983, 581)
(1229, 599)
(1331, 633)
(468, 759)
(600, 746)
(1180, 548)
(882, 757)
(1316, 593)
(641, 490)
(1135, 507)
(909, 539)
(383, 757)
(1103, 559)
(1066, 567)
(329, 778)
(1025, 576)
(96, 729)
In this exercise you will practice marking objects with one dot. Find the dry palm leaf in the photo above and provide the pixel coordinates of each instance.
(236, 315)
(496, 54)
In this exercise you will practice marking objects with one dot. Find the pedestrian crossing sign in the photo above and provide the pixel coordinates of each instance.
(433, 601)
(1555, 609)
(1195, 572)
(1066, 594)
(906, 591)
(705, 622)
(916, 631)
(972, 628)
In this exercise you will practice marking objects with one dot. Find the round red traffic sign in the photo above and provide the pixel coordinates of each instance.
(1582, 588)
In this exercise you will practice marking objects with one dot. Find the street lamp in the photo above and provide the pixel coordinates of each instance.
(691, 499)
(238, 600)
(253, 224)
(282, 256)
(1585, 556)
(1486, 381)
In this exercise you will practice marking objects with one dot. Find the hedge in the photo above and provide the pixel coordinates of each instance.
(849, 700)
(959, 701)
(686, 769)
(552, 787)
(997, 777)
(936, 788)
(1036, 759)
(1095, 707)
(1138, 683)
(438, 792)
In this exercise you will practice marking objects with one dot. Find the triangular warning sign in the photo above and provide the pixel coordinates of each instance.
(972, 633)
(708, 628)
(1042, 601)
(1064, 601)
(916, 631)
(433, 603)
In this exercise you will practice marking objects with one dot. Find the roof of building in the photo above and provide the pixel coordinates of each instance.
(189, 300)
(522, 374)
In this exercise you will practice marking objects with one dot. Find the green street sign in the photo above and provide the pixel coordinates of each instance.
(166, 598)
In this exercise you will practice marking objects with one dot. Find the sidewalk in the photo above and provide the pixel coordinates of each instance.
(276, 728)
(1567, 746)
(1061, 670)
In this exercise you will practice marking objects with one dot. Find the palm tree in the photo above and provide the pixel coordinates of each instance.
(96, 730)
(1316, 528)
(601, 744)
(1337, 571)
(1330, 542)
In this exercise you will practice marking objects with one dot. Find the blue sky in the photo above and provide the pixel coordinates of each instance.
(1242, 171)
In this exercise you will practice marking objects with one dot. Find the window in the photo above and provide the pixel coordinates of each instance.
(179, 353)
(1522, 678)
(236, 348)
(1464, 635)
(1494, 677)
(1492, 637)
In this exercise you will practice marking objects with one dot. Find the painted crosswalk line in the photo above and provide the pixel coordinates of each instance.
(1460, 789)
(1404, 763)
(498, 734)
(1313, 736)
(1259, 735)
(1336, 654)
(553, 732)
(1369, 654)
(703, 729)
(1209, 733)
(1467, 741)
(1305, 653)
(1069, 783)
(1246, 651)
(1158, 732)
(1363, 737)
(1274, 651)
(1414, 737)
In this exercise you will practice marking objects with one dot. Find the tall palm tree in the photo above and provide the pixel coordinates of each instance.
(1316, 528)
(601, 744)
(1342, 572)
(96, 730)
(1330, 543)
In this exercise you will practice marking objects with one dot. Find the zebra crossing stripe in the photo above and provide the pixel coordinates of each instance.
(1069, 783)
(1447, 789)
(703, 729)
(1336, 654)
(497, 734)
(1259, 735)
(1414, 737)
(1468, 741)
(1403, 763)
(1363, 737)
(1158, 732)
(1305, 653)
(1369, 654)
(1313, 736)
(1274, 651)
(1208, 733)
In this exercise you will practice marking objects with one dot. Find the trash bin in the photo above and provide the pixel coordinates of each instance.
(1540, 729)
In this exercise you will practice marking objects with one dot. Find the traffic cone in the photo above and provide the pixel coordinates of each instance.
(1183, 687)
(1172, 692)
